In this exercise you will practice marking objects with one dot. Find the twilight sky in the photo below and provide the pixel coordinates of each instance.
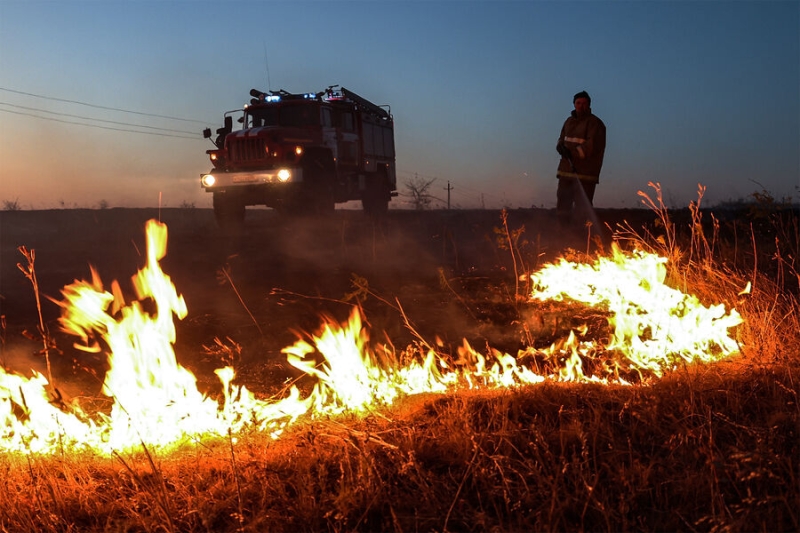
(694, 92)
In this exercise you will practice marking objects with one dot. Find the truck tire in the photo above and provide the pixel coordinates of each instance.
(229, 212)
(376, 195)
(323, 201)
(320, 172)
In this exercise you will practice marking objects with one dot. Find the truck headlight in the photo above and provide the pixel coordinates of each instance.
(208, 180)
(284, 175)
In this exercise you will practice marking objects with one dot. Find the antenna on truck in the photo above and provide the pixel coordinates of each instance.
(266, 64)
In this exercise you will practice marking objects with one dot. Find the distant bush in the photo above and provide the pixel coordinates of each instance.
(12, 205)
(760, 203)
(418, 191)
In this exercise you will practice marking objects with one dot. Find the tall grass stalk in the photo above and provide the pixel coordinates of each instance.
(224, 273)
(512, 239)
(29, 271)
(3, 340)
(161, 495)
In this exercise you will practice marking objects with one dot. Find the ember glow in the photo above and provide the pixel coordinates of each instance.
(156, 401)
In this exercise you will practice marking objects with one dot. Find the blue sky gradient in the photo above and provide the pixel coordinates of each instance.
(691, 92)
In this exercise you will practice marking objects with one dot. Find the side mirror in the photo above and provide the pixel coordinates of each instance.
(229, 123)
(207, 133)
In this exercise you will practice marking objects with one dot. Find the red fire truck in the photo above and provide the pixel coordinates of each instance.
(302, 153)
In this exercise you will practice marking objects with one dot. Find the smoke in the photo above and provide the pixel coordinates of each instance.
(22, 358)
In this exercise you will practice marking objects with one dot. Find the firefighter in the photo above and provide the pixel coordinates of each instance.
(582, 144)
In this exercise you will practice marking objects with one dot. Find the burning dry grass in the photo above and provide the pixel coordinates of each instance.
(710, 447)
(707, 448)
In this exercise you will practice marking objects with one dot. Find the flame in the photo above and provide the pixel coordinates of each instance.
(654, 325)
(156, 401)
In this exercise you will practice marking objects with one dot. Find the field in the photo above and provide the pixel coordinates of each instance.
(707, 446)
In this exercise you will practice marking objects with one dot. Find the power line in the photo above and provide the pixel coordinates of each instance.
(415, 174)
(94, 119)
(96, 125)
(99, 106)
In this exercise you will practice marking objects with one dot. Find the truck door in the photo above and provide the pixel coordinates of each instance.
(329, 137)
(347, 139)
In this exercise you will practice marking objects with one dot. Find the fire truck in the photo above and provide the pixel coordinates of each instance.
(302, 153)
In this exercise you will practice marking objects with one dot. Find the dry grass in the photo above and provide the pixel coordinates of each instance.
(707, 448)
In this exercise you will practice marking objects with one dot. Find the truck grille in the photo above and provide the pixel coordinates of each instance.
(247, 149)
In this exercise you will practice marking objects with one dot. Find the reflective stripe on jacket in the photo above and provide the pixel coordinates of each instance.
(586, 139)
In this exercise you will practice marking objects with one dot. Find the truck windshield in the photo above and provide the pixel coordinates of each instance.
(263, 116)
(286, 115)
(300, 115)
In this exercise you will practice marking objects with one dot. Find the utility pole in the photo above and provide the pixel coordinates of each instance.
(448, 189)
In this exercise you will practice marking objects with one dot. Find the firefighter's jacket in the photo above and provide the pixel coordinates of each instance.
(586, 139)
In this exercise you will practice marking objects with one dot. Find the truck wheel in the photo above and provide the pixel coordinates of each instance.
(229, 212)
(323, 201)
(320, 171)
(375, 198)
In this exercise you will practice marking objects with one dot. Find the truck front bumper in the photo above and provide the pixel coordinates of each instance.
(214, 181)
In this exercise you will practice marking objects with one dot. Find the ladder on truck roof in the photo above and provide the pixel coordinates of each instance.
(381, 112)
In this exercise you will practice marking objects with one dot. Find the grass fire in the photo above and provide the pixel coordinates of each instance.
(648, 384)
